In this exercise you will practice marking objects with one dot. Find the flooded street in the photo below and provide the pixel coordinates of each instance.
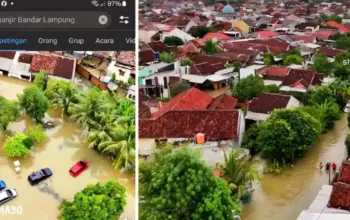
(283, 197)
(62, 149)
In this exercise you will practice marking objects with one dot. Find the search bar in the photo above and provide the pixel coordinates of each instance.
(54, 19)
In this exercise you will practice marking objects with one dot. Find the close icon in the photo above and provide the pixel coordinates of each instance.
(103, 19)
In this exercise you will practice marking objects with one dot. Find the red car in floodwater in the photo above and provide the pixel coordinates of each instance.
(78, 168)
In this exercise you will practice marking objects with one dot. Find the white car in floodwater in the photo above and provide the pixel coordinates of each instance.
(7, 195)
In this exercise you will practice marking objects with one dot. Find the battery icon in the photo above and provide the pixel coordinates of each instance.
(123, 3)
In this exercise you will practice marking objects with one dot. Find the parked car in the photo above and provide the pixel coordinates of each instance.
(2, 185)
(347, 108)
(7, 195)
(38, 176)
(78, 168)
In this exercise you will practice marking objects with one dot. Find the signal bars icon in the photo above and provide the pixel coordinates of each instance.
(98, 4)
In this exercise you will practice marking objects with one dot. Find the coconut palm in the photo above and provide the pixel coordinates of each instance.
(101, 129)
(64, 97)
(121, 144)
(211, 46)
(88, 106)
(238, 170)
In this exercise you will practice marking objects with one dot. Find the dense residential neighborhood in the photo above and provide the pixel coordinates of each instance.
(67, 134)
(251, 97)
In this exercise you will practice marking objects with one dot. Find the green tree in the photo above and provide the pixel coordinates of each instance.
(53, 85)
(292, 59)
(200, 31)
(210, 46)
(167, 57)
(179, 185)
(63, 98)
(96, 202)
(238, 170)
(37, 133)
(343, 43)
(186, 62)
(271, 88)
(342, 72)
(288, 134)
(15, 146)
(330, 111)
(322, 65)
(41, 79)
(320, 94)
(335, 18)
(248, 88)
(178, 88)
(269, 59)
(9, 112)
(113, 77)
(250, 138)
(173, 41)
(34, 102)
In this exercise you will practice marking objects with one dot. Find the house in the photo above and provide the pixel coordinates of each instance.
(341, 28)
(174, 31)
(307, 27)
(259, 108)
(155, 79)
(217, 36)
(199, 113)
(249, 71)
(299, 80)
(329, 53)
(131, 93)
(340, 196)
(266, 34)
(123, 66)
(274, 75)
(242, 25)
(25, 65)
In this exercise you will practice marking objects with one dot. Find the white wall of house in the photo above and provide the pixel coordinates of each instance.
(241, 130)
(293, 102)
(131, 93)
(287, 89)
(256, 116)
(190, 25)
(161, 76)
(114, 67)
(178, 33)
(272, 82)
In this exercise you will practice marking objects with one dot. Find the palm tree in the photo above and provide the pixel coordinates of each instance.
(120, 144)
(101, 129)
(238, 170)
(88, 106)
(210, 46)
(64, 97)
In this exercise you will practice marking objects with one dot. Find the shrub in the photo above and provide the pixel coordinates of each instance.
(17, 146)
(37, 133)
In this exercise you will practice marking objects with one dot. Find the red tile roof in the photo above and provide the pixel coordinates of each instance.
(329, 52)
(25, 58)
(219, 36)
(8, 54)
(340, 27)
(191, 99)
(206, 68)
(324, 35)
(297, 77)
(146, 56)
(214, 124)
(266, 34)
(340, 196)
(223, 101)
(305, 38)
(267, 102)
(127, 58)
(144, 111)
(58, 66)
(157, 46)
(344, 173)
(276, 71)
(243, 58)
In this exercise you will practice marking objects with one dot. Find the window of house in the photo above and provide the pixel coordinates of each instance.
(165, 83)
(121, 73)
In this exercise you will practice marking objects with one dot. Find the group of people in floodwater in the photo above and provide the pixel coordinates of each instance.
(328, 166)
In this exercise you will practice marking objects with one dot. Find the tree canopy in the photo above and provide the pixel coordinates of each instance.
(248, 88)
(34, 102)
(292, 59)
(41, 79)
(167, 57)
(322, 65)
(200, 31)
(173, 41)
(178, 87)
(178, 185)
(9, 112)
(210, 46)
(96, 202)
(288, 134)
(16, 146)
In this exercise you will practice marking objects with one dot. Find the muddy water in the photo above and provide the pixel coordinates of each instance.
(63, 147)
(283, 197)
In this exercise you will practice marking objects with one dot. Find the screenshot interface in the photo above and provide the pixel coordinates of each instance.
(67, 110)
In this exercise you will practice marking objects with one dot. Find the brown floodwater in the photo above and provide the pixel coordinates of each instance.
(62, 149)
(284, 196)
